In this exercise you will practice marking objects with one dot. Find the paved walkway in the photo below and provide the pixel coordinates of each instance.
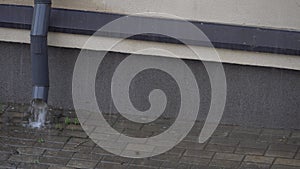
(65, 145)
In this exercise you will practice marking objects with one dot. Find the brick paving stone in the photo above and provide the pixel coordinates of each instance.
(30, 150)
(99, 150)
(7, 149)
(283, 154)
(32, 166)
(184, 166)
(166, 157)
(74, 148)
(81, 163)
(244, 136)
(90, 143)
(156, 142)
(75, 140)
(48, 145)
(290, 162)
(294, 141)
(249, 151)
(253, 144)
(102, 130)
(3, 107)
(88, 156)
(224, 163)
(224, 141)
(276, 132)
(175, 150)
(199, 153)
(73, 127)
(259, 159)
(195, 160)
(17, 135)
(53, 160)
(50, 132)
(191, 138)
(17, 142)
(195, 131)
(55, 139)
(4, 157)
(229, 145)
(127, 125)
(282, 150)
(111, 118)
(23, 158)
(295, 134)
(14, 114)
(297, 155)
(116, 159)
(104, 136)
(16, 120)
(81, 141)
(146, 162)
(134, 153)
(222, 132)
(247, 130)
(272, 139)
(191, 145)
(111, 166)
(247, 165)
(8, 165)
(112, 145)
(58, 153)
(152, 127)
(283, 147)
(283, 167)
(139, 147)
(219, 148)
(3, 132)
(141, 167)
(203, 167)
(195, 166)
(174, 165)
(60, 167)
(228, 156)
(80, 134)
(206, 167)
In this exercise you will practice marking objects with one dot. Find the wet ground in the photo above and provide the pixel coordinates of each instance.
(63, 144)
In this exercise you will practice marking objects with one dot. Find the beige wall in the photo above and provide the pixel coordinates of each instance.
(284, 14)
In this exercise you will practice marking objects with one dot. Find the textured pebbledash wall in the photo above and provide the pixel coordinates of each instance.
(256, 96)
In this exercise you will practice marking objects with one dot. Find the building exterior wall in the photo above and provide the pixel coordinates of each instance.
(256, 96)
(262, 88)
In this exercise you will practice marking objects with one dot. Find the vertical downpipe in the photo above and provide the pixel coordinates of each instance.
(39, 49)
(39, 60)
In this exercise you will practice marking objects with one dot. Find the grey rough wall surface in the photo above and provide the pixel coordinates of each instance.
(256, 96)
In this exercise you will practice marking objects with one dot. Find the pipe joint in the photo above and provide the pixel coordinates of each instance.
(42, 1)
(41, 19)
(40, 92)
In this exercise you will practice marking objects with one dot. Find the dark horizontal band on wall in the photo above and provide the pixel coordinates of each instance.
(221, 35)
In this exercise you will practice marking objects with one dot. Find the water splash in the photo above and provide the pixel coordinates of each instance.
(38, 113)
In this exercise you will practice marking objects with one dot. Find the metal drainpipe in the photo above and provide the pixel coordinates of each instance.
(39, 49)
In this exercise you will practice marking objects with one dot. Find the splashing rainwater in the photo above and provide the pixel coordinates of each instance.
(38, 113)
